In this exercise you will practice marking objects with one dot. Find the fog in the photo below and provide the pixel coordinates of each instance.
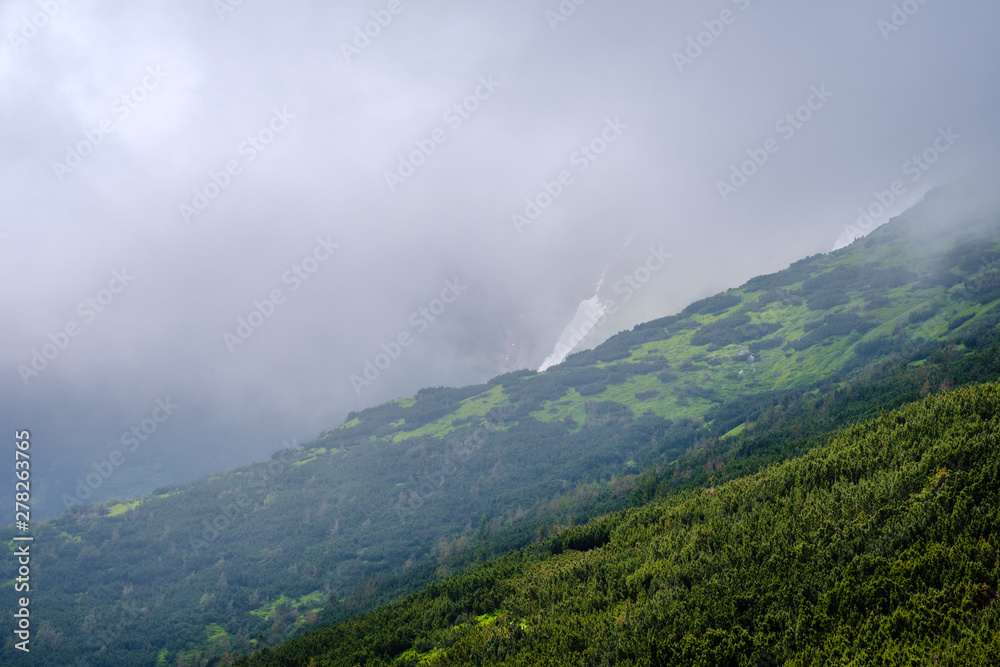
(278, 218)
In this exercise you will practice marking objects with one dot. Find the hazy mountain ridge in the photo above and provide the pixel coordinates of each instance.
(878, 548)
(899, 285)
(376, 506)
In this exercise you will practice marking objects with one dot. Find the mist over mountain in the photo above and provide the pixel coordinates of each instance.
(211, 154)
(423, 333)
(298, 556)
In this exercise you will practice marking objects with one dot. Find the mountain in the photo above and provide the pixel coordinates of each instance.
(408, 492)
(880, 547)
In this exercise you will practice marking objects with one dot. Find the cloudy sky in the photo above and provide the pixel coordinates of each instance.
(235, 208)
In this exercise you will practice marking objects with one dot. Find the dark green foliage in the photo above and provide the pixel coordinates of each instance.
(508, 378)
(667, 326)
(588, 380)
(885, 278)
(620, 345)
(432, 404)
(797, 272)
(876, 347)
(959, 321)
(713, 305)
(788, 423)
(732, 330)
(984, 288)
(747, 408)
(879, 236)
(769, 344)
(613, 349)
(878, 548)
(307, 527)
(924, 314)
(941, 277)
(594, 535)
(694, 390)
(833, 288)
(773, 296)
(969, 255)
(592, 389)
(666, 377)
(838, 324)
(827, 299)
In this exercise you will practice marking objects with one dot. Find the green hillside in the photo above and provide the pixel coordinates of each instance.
(880, 548)
(404, 493)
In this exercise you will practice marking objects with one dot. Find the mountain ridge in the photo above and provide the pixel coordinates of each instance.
(877, 548)
(404, 492)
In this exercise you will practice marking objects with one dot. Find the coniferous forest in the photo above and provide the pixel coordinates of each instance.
(879, 547)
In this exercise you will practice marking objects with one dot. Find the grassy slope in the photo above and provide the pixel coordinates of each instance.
(381, 501)
(881, 547)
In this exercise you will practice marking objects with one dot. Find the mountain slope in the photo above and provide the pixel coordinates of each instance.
(410, 490)
(882, 547)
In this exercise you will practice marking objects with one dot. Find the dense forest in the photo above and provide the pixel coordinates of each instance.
(409, 493)
(880, 547)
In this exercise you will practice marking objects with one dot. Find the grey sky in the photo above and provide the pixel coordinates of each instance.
(207, 84)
